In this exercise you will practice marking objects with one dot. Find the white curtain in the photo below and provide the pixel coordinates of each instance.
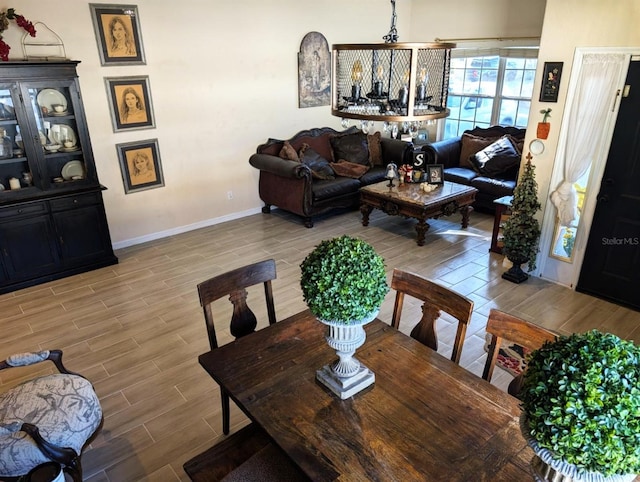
(593, 98)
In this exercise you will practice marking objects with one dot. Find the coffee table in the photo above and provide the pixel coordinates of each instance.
(410, 201)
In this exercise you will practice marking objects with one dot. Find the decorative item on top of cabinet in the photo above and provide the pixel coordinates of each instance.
(52, 220)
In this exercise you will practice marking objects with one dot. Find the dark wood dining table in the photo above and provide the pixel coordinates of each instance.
(425, 418)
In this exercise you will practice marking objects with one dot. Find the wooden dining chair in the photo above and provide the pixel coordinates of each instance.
(243, 321)
(503, 326)
(436, 299)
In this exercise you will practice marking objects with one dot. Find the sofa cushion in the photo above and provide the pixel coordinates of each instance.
(351, 147)
(320, 167)
(469, 145)
(373, 175)
(496, 158)
(349, 169)
(494, 187)
(288, 152)
(461, 175)
(375, 149)
(339, 186)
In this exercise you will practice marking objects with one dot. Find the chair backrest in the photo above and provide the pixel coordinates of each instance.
(503, 326)
(234, 284)
(436, 298)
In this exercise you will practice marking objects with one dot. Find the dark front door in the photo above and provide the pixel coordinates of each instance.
(611, 266)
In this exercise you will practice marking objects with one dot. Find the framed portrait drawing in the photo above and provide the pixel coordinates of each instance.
(117, 29)
(435, 174)
(130, 103)
(140, 165)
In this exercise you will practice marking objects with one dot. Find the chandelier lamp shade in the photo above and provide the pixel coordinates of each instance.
(392, 81)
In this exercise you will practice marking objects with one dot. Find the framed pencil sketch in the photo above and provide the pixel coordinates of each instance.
(435, 174)
(550, 81)
(130, 103)
(140, 165)
(117, 29)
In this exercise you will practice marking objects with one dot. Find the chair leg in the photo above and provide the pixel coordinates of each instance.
(74, 469)
(226, 416)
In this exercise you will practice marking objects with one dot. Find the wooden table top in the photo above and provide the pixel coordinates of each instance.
(411, 193)
(425, 418)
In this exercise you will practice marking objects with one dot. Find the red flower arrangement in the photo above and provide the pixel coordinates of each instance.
(11, 14)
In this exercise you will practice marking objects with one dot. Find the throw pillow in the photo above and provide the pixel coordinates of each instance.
(471, 144)
(349, 169)
(375, 149)
(351, 147)
(320, 167)
(496, 158)
(288, 152)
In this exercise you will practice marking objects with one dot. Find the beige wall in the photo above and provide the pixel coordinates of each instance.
(593, 23)
(223, 78)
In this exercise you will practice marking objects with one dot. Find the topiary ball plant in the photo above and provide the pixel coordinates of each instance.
(581, 399)
(343, 280)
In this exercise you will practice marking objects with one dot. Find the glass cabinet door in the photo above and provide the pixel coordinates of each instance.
(52, 108)
(15, 172)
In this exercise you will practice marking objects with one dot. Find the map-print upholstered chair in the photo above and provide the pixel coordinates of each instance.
(48, 418)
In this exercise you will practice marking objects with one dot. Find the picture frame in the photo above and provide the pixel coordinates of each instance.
(314, 71)
(435, 173)
(117, 29)
(550, 81)
(140, 165)
(130, 103)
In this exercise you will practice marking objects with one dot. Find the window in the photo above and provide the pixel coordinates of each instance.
(486, 90)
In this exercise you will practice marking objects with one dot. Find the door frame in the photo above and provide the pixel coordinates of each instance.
(553, 269)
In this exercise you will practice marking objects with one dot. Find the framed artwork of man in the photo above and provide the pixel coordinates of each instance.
(117, 29)
(140, 165)
(130, 103)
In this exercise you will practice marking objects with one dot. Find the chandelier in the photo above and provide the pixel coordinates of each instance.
(391, 81)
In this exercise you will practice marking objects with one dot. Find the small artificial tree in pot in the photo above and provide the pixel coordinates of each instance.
(522, 230)
(344, 282)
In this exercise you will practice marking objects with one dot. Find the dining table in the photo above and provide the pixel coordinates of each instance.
(424, 418)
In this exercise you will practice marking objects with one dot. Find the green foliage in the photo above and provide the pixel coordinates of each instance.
(546, 114)
(343, 279)
(522, 230)
(581, 395)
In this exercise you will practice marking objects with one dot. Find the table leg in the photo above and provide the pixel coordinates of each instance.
(421, 229)
(465, 211)
(365, 209)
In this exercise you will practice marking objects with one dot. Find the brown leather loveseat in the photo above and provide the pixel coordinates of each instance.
(321, 169)
(494, 174)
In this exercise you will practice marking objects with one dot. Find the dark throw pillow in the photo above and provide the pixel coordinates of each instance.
(320, 167)
(288, 152)
(497, 158)
(469, 145)
(351, 147)
(349, 169)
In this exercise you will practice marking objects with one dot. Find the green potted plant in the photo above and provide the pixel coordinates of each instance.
(581, 406)
(544, 127)
(522, 230)
(344, 282)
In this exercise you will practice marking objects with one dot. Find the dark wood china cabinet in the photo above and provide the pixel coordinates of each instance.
(52, 218)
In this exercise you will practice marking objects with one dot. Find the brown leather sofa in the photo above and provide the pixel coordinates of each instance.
(493, 183)
(293, 186)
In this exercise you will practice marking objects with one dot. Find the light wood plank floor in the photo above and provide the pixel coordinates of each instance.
(136, 329)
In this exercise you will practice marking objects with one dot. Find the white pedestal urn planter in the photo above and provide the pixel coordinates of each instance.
(346, 376)
(546, 468)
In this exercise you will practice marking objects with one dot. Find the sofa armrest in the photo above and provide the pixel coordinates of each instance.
(280, 167)
(396, 151)
(445, 152)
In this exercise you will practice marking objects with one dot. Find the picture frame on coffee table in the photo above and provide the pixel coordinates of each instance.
(117, 29)
(435, 173)
(140, 165)
(130, 103)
